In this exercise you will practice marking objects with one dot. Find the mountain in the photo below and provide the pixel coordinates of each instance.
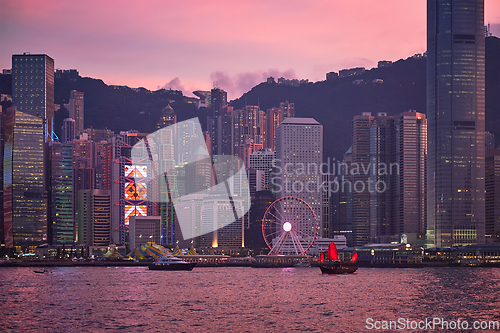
(335, 103)
(400, 87)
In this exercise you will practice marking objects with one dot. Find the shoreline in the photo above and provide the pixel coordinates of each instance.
(145, 264)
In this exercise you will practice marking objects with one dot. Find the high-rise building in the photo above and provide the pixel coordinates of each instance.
(341, 202)
(299, 143)
(386, 173)
(489, 141)
(456, 123)
(25, 205)
(33, 87)
(410, 192)
(360, 195)
(274, 117)
(168, 117)
(248, 148)
(61, 222)
(263, 160)
(218, 101)
(94, 217)
(144, 229)
(492, 185)
(253, 231)
(68, 130)
(380, 184)
(76, 110)
(98, 134)
(2, 130)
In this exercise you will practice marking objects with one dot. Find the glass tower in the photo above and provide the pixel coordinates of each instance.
(25, 206)
(61, 194)
(455, 115)
(33, 87)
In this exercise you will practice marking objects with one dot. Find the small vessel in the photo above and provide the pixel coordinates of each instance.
(42, 271)
(166, 263)
(302, 264)
(333, 265)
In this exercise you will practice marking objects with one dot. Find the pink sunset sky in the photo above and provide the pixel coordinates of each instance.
(189, 45)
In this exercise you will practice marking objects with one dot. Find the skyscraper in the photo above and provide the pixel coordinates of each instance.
(299, 143)
(360, 195)
(387, 174)
(455, 116)
(76, 110)
(492, 181)
(263, 160)
(33, 87)
(218, 101)
(25, 206)
(68, 130)
(410, 188)
(60, 205)
(94, 217)
(168, 117)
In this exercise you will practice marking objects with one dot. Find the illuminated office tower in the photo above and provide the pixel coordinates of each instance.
(274, 117)
(249, 123)
(299, 141)
(25, 205)
(456, 124)
(60, 197)
(33, 87)
(76, 110)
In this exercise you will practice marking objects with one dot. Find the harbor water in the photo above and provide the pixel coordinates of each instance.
(240, 299)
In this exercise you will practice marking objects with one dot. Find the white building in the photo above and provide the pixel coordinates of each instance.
(299, 155)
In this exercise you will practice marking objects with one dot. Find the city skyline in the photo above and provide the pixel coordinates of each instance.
(166, 48)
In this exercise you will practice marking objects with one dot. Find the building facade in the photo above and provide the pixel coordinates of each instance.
(33, 87)
(25, 205)
(94, 217)
(76, 110)
(299, 144)
(456, 123)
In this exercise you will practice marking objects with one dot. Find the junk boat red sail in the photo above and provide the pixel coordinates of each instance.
(332, 265)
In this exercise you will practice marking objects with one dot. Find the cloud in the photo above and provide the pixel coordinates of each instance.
(238, 84)
(174, 84)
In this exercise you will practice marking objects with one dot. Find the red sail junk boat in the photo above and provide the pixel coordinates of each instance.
(332, 265)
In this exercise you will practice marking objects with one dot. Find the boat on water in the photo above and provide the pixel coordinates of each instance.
(166, 263)
(42, 271)
(332, 265)
(302, 264)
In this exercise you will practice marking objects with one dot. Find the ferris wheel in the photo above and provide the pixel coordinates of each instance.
(289, 226)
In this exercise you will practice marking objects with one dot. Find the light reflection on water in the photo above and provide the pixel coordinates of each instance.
(236, 299)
